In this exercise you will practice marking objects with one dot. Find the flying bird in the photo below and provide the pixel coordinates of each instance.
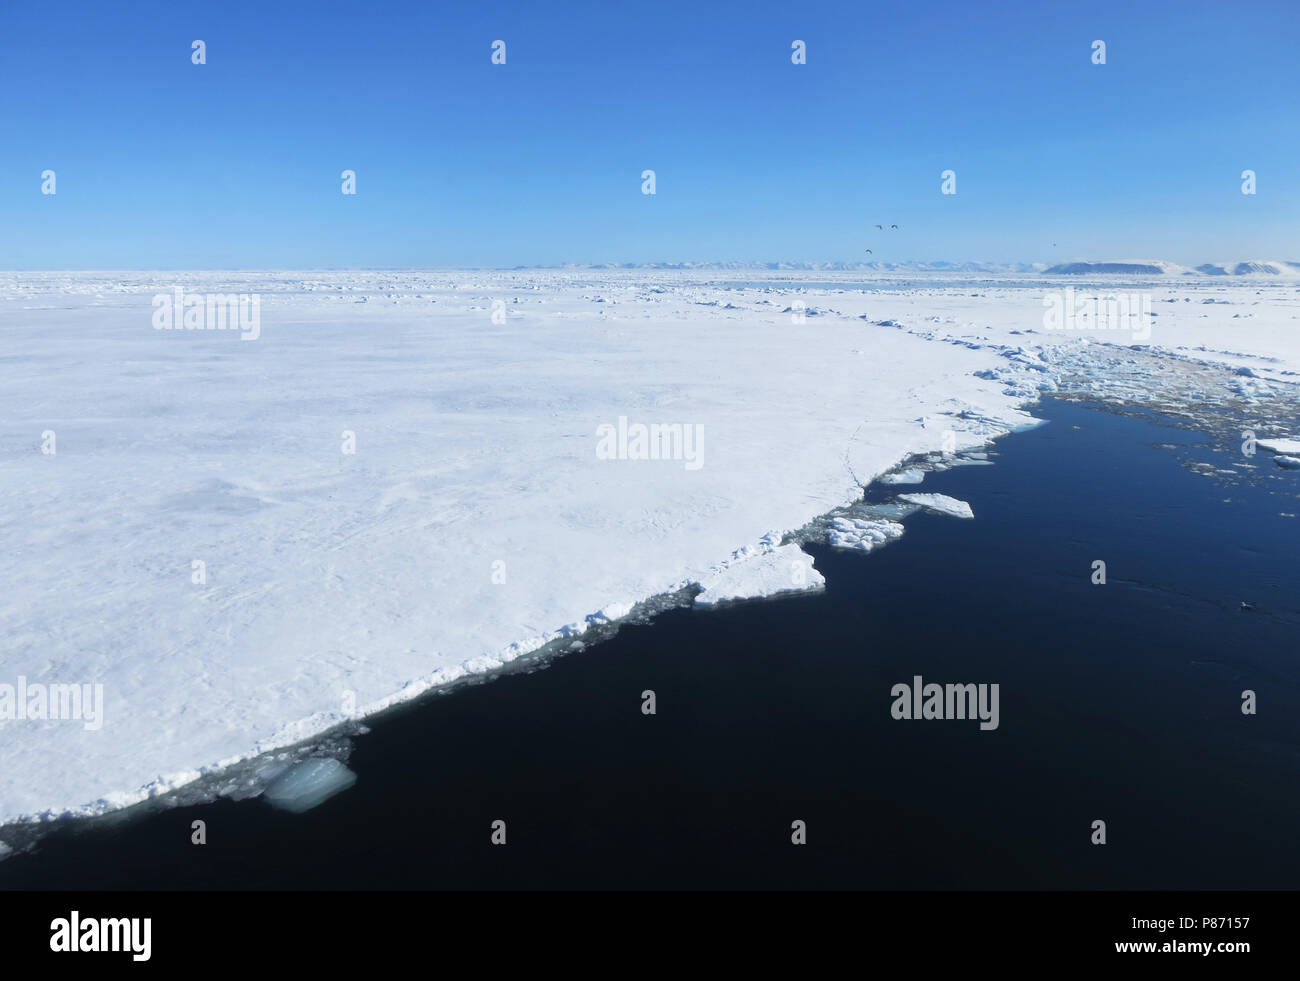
(868, 252)
(881, 227)
(893, 226)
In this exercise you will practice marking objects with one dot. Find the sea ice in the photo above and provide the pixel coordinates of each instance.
(229, 572)
(940, 503)
(911, 475)
(862, 534)
(1289, 447)
(615, 611)
(309, 784)
(785, 569)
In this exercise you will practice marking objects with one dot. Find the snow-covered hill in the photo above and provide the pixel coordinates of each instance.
(1159, 267)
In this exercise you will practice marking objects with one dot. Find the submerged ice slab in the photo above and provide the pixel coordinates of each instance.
(940, 503)
(309, 784)
(894, 510)
(785, 569)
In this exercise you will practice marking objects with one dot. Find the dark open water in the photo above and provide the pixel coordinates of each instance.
(1118, 702)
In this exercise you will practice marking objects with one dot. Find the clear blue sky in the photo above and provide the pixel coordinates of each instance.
(236, 163)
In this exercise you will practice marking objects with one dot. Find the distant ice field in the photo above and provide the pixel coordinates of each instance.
(409, 477)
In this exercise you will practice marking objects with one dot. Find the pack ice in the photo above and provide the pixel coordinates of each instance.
(248, 541)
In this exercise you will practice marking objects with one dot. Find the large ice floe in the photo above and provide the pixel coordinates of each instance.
(940, 504)
(770, 572)
(1285, 447)
(407, 479)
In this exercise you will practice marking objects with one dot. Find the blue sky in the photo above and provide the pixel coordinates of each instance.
(236, 163)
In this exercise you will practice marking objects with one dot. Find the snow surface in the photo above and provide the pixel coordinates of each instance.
(475, 521)
(940, 504)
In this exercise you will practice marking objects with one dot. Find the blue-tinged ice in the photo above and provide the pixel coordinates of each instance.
(912, 475)
(309, 784)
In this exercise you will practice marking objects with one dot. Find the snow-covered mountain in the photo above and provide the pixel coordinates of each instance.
(1250, 267)
(1159, 267)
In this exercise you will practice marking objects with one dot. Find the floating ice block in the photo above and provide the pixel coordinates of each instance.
(940, 503)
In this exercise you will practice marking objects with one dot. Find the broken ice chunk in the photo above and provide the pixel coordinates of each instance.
(940, 503)
(862, 534)
(909, 476)
(612, 612)
(309, 784)
(1286, 447)
(788, 569)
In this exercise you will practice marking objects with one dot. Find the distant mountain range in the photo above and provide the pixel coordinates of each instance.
(1158, 267)
(794, 266)
(1090, 267)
